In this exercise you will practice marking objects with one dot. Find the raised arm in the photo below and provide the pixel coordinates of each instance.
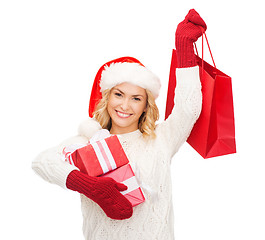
(188, 98)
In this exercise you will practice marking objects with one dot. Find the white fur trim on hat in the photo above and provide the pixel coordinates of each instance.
(133, 73)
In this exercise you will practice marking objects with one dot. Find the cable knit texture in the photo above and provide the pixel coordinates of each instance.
(150, 159)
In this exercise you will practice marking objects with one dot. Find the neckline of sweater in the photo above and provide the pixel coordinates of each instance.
(130, 135)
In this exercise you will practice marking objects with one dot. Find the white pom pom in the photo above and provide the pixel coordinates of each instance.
(89, 127)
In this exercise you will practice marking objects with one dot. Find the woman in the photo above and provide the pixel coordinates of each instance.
(123, 102)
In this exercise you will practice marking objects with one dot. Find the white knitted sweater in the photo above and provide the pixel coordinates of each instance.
(150, 160)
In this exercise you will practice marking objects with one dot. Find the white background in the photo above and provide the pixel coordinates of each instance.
(50, 52)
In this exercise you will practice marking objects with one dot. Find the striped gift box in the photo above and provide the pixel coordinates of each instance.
(98, 157)
(126, 176)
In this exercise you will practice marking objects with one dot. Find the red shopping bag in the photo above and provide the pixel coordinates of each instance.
(214, 132)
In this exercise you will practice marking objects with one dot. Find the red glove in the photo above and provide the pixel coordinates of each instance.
(104, 191)
(188, 31)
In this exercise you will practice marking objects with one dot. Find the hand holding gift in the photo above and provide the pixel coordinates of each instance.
(104, 191)
(107, 159)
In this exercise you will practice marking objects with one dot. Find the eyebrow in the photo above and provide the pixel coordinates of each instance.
(136, 95)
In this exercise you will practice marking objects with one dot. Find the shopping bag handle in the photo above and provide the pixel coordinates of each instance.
(204, 34)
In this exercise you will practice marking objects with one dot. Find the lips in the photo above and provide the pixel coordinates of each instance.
(123, 115)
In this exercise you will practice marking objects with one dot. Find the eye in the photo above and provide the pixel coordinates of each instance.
(137, 99)
(117, 94)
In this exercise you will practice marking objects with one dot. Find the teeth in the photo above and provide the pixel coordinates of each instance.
(123, 114)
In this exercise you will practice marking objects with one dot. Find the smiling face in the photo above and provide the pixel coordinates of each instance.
(126, 104)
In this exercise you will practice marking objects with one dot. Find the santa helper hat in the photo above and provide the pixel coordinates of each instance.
(120, 70)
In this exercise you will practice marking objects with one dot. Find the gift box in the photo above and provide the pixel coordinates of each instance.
(126, 176)
(98, 157)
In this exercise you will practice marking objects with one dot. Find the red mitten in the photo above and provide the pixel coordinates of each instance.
(104, 191)
(188, 31)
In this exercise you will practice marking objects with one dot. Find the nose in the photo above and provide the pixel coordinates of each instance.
(125, 105)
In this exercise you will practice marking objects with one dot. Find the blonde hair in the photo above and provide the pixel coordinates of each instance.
(147, 120)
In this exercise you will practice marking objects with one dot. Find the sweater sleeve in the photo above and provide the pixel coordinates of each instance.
(188, 100)
(50, 164)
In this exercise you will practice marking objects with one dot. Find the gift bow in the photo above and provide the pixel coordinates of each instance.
(67, 151)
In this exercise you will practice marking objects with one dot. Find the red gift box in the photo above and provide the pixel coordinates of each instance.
(126, 176)
(98, 157)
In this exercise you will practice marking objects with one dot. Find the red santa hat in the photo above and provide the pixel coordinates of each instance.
(117, 71)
